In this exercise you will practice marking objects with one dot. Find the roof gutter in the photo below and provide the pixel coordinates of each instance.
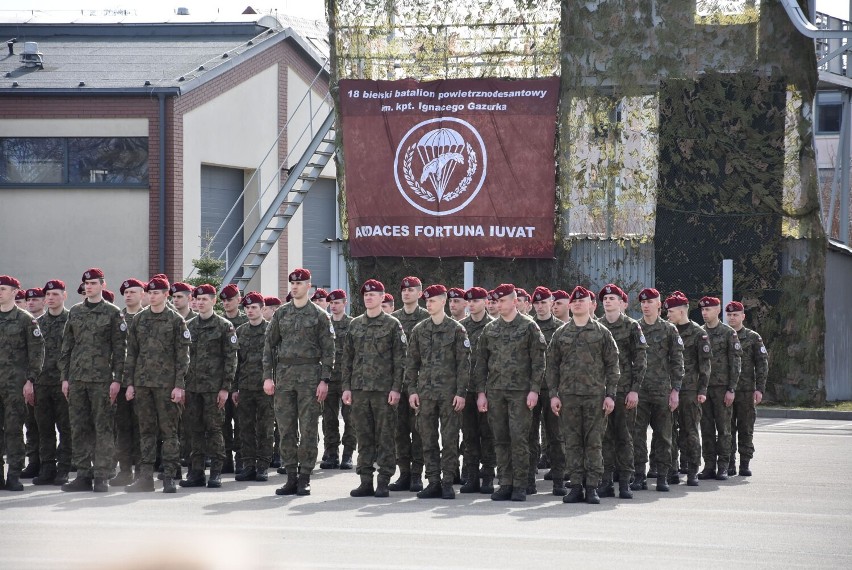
(161, 234)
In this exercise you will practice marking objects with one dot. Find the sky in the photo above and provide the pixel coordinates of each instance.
(837, 8)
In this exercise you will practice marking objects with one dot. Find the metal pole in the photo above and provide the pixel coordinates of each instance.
(727, 282)
(468, 275)
(843, 230)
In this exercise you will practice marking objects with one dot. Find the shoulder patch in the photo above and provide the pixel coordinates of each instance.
(763, 349)
(234, 339)
(541, 338)
(37, 332)
(706, 348)
(402, 335)
(642, 338)
(123, 326)
(466, 343)
(331, 327)
(679, 340)
(737, 346)
(186, 335)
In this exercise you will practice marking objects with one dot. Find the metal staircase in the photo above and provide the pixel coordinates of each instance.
(283, 207)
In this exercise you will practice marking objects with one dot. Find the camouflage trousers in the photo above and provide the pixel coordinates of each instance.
(618, 439)
(653, 411)
(51, 413)
(231, 429)
(297, 412)
(373, 419)
(204, 423)
(715, 428)
(158, 421)
(127, 443)
(552, 441)
(409, 446)
(257, 421)
(14, 416)
(92, 418)
(32, 436)
(478, 438)
(742, 425)
(510, 419)
(686, 438)
(583, 426)
(331, 412)
(441, 460)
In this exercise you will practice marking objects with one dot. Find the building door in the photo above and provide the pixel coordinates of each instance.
(221, 188)
(319, 224)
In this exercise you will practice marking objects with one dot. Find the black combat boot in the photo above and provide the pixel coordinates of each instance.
(744, 470)
(519, 494)
(624, 491)
(249, 473)
(592, 496)
(46, 476)
(559, 488)
(365, 489)
(194, 479)
(215, 480)
(503, 493)
(144, 484)
(289, 488)
(382, 483)
(487, 485)
(61, 477)
(652, 471)
(124, 477)
(346, 460)
(432, 491)
(261, 474)
(447, 491)
(31, 470)
(80, 483)
(403, 482)
(531, 488)
(692, 475)
(13, 483)
(331, 460)
(662, 484)
(606, 488)
(709, 472)
(639, 482)
(416, 483)
(575, 495)
(303, 484)
(722, 473)
(169, 485)
(281, 470)
(732, 466)
(472, 483)
(674, 478)
(101, 485)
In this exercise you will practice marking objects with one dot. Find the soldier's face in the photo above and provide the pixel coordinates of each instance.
(457, 307)
(7, 295)
(735, 319)
(35, 304)
(388, 307)
(268, 311)
(231, 305)
(254, 311)
(543, 308)
(650, 308)
(181, 300)
(611, 303)
(476, 306)
(435, 305)
(560, 309)
(410, 295)
(157, 298)
(710, 314)
(321, 303)
(491, 307)
(506, 305)
(93, 288)
(55, 298)
(677, 315)
(338, 307)
(299, 289)
(205, 304)
(581, 307)
(373, 299)
(133, 296)
(22, 303)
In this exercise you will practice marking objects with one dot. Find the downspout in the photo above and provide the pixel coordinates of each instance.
(161, 238)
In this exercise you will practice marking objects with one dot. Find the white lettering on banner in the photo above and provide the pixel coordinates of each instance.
(446, 231)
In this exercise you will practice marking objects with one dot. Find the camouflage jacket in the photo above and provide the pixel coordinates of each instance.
(438, 361)
(582, 361)
(341, 327)
(511, 356)
(212, 354)
(474, 331)
(94, 343)
(409, 320)
(755, 362)
(664, 372)
(632, 357)
(252, 339)
(51, 331)
(726, 356)
(300, 337)
(237, 320)
(157, 350)
(548, 327)
(128, 317)
(21, 348)
(696, 357)
(373, 354)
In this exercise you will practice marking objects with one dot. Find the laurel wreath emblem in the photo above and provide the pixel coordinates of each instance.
(424, 193)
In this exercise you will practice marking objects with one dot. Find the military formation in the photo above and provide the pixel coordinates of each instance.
(507, 381)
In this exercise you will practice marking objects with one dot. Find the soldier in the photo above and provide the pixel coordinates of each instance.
(561, 308)
(332, 409)
(387, 303)
(92, 365)
(51, 408)
(109, 296)
(478, 437)
(582, 370)
(21, 299)
(458, 305)
(35, 307)
(21, 361)
(508, 376)
(618, 437)
(409, 446)
(542, 413)
(230, 296)
(270, 305)
(319, 298)
(750, 388)
(155, 378)
(255, 408)
(724, 376)
(523, 301)
(181, 299)
(437, 374)
(659, 393)
(35, 302)
(212, 367)
(301, 337)
(372, 374)
(491, 305)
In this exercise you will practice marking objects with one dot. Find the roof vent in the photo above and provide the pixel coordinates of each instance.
(183, 11)
(31, 56)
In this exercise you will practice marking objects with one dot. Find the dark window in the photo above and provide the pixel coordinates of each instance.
(32, 161)
(829, 110)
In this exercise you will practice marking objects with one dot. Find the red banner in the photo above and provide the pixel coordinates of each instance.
(454, 168)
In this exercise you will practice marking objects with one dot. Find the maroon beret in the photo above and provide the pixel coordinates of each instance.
(709, 302)
(131, 283)
(475, 293)
(93, 273)
(180, 287)
(678, 294)
(372, 285)
(541, 293)
(10, 281)
(54, 284)
(20, 294)
(611, 289)
(560, 294)
(205, 289)
(410, 282)
(388, 298)
(288, 298)
(624, 297)
(35, 293)
(648, 293)
(675, 301)
(157, 284)
(271, 301)
(521, 293)
(320, 293)
(734, 307)
(502, 290)
(108, 295)
(299, 275)
(336, 295)
(592, 296)
(580, 292)
(251, 298)
(455, 293)
(81, 289)
(434, 291)
(229, 292)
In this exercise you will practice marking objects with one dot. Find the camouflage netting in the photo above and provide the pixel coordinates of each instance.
(680, 122)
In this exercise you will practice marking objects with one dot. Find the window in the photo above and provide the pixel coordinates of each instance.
(81, 161)
(829, 110)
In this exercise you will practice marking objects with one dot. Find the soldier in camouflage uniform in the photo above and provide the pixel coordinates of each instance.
(508, 376)
(372, 375)
(254, 407)
(270, 306)
(35, 307)
(409, 446)
(388, 303)
(51, 406)
(478, 437)
(319, 298)
(750, 388)
(542, 415)
(155, 377)
(437, 373)
(21, 361)
(582, 377)
(332, 409)
(182, 300)
(212, 367)
(92, 365)
(300, 335)
(618, 439)
(693, 391)
(659, 394)
(724, 376)
(230, 296)
(457, 303)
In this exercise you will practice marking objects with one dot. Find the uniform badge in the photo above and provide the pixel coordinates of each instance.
(466, 343)
(706, 348)
(737, 346)
(331, 328)
(37, 332)
(541, 338)
(123, 326)
(186, 335)
(234, 339)
(642, 339)
(680, 341)
(763, 349)
(402, 335)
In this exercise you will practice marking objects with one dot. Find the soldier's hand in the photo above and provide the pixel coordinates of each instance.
(458, 403)
(729, 399)
(393, 398)
(269, 386)
(235, 398)
(322, 391)
(114, 389)
(608, 405)
(482, 402)
(414, 402)
(221, 398)
(177, 395)
(532, 399)
(65, 388)
(29, 393)
(632, 400)
(555, 405)
(346, 397)
(701, 398)
(130, 393)
(674, 400)
(758, 397)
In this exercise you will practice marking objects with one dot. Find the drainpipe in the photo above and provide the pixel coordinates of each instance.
(161, 238)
